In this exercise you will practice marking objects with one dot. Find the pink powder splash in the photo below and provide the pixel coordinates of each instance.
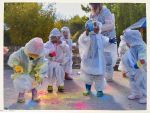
(109, 88)
(80, 105)
(55, 101)
(42, 92)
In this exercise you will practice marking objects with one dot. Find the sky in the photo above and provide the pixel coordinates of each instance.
(68, 10)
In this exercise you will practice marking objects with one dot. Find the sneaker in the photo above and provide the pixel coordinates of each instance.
(21, 98)
(100, 93)
(86, 93)
(133, 96)
(50, 89)
(36, 99)
(143, 100)
(60, 88)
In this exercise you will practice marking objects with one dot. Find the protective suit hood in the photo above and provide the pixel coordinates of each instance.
(133, 37)
(35, 46)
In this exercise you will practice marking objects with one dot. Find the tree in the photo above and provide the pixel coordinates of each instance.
(27, 20)
(85, 8)
(77, 24)
(60, 23)
(76, 36)
(126, 14)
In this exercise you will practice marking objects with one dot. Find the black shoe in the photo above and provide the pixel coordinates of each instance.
(100, 93)
(60, 88)
(50, 89)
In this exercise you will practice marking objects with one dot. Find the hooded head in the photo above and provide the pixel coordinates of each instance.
(65, 32)
(55, 32)
(133, 37)
(54, 35)
(93, 26)
(34, 48)
(96, 7)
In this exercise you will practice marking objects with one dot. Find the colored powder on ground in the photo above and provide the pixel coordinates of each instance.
(80, 105)
(106, 98)
(50, 101)
(42, 93)
(109, 88)
(55, 101)
(31, 104)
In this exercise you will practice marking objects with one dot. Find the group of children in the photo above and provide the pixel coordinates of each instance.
(54, 60)
(59, 52)
(133, 60)
(36, 61)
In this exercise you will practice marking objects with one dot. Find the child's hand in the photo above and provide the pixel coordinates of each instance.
(142, 61)
(18, 69)
(139, 64)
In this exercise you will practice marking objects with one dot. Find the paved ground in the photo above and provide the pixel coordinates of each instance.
(115, 97)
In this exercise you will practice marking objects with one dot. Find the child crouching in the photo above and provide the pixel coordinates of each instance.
(29, 67)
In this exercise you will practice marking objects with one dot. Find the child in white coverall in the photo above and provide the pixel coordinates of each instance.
(30, 67)
(57, 54)
(67, 38)
(135, 62)
(91, 48)
(122, 49)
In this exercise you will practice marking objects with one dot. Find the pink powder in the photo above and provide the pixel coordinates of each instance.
(80, 105)
(41, 93)
(55, 101)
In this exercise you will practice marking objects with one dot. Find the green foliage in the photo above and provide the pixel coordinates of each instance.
(76, 25)
(7, 39)
(27, 20)
(60, 23)
(126, 14)
(85, 8)
(76, 36)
